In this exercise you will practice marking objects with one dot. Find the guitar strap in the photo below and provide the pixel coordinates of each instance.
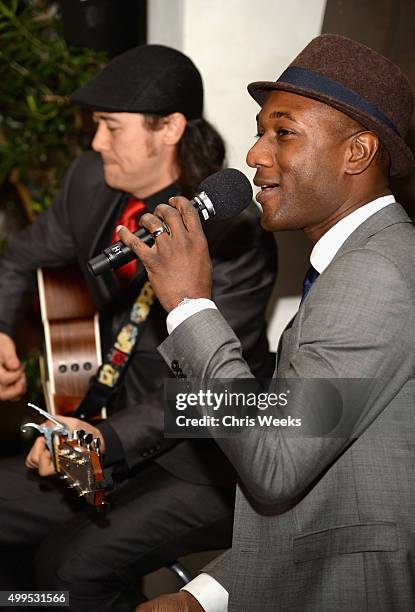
(109, 375)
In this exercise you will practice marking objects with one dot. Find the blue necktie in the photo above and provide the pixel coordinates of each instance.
(310, 277)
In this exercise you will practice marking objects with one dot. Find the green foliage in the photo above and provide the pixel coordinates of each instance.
(40, 132)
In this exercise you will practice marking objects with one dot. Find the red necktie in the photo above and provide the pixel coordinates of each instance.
(128, 218)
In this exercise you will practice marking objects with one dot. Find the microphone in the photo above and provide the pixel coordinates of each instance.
(223, 195)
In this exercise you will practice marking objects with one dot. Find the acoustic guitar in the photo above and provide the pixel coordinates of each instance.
(72, 346)
(72, 354)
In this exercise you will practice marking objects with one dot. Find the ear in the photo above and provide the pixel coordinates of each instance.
(360, 152)
(173, 128)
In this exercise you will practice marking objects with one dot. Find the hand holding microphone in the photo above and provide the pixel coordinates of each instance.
(178, 264)
(223, 195)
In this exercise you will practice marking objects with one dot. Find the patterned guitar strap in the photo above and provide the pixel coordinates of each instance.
(104, 385)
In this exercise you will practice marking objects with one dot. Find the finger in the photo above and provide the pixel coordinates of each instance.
(12, 362)
(32, 459)
(8, 377)
(52, 424)
(151, 222)
(8, 354)
(188, 213)
(144, 252)
(46, 467)
(70, 422)
(172, 217)
(13, 392)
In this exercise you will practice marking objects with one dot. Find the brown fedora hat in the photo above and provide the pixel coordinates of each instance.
(357, 81)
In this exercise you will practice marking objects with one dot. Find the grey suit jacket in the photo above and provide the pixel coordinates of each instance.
(327, 524)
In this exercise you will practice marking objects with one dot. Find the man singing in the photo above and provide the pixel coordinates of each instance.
(322, 523)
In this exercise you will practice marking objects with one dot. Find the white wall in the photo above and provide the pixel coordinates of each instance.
(234, 42)
(165, 22)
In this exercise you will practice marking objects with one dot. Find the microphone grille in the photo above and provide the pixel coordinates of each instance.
(229, 191)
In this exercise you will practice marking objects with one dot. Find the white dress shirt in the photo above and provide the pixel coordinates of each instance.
(325, 249)
(209, 592)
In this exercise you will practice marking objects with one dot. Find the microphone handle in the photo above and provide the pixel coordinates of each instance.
(117, 254)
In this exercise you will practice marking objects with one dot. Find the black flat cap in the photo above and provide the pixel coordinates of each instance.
(147, 79)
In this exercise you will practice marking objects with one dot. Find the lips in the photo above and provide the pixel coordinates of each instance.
(265, 183)
(268, 190)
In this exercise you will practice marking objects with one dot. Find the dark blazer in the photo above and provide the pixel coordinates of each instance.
(78, 225)
(327, 523)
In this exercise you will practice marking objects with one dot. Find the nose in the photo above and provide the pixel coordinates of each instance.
(259, 155)
(100, 141)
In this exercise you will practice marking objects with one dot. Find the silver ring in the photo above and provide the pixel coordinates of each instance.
(164, 229)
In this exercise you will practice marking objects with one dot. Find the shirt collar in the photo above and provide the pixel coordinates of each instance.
(326, 248)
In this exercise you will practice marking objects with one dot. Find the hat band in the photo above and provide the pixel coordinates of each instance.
(322, 84)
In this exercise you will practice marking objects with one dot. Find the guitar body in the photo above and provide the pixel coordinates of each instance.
(72, 338)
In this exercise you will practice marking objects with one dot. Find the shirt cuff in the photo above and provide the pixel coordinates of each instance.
(209, 593)
(186, 310)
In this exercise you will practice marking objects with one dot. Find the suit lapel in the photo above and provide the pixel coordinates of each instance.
(390, 215)
(287, 344)
(104, 204)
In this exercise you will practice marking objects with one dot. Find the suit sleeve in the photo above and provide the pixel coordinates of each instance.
(46, 242)
(357, 324)
(219, 569)
(243, 278)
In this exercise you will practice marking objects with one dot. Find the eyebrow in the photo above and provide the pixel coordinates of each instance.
(278, 115)
(105, 116)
